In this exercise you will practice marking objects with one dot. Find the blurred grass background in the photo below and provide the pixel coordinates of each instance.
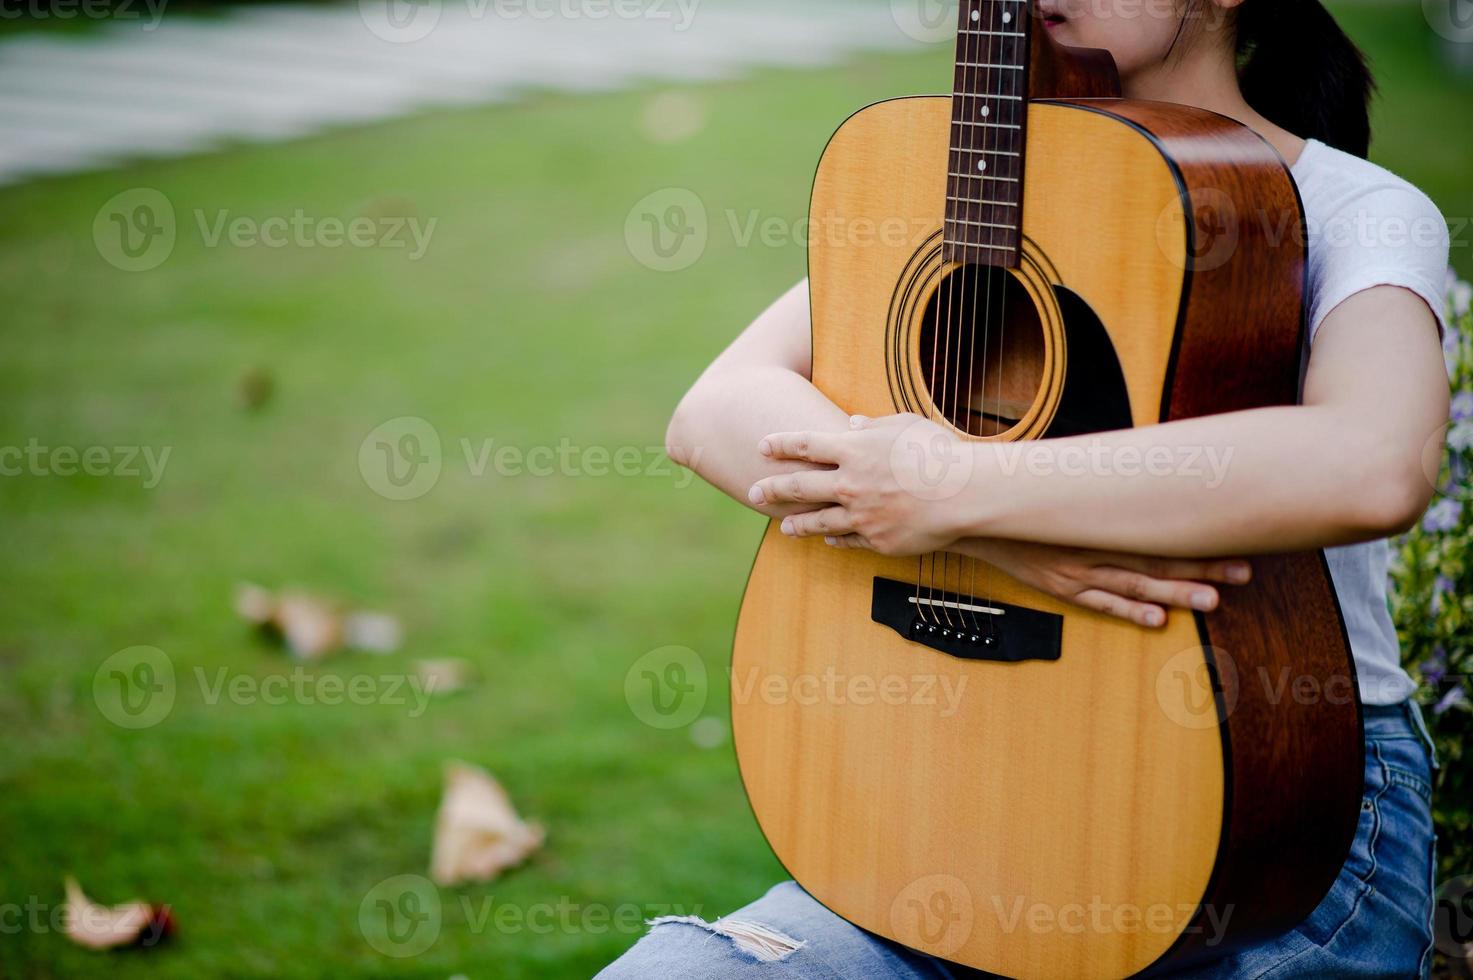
(527, 322)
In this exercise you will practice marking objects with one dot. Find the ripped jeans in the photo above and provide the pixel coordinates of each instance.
(1375, 921)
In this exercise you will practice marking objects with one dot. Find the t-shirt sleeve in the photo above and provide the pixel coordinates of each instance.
(1389, 234)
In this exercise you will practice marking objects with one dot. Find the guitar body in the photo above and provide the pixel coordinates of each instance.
(1110, 800)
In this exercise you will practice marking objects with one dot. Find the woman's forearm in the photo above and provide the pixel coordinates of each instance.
(719, 423)
(1261, 481)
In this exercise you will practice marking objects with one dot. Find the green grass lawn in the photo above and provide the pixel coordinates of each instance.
(528, 322)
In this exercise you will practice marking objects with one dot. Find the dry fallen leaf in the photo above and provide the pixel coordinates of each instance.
(254, 388)
(443, 676)
(372, 632)
(108, 927)
(313, 628)
(477, 832)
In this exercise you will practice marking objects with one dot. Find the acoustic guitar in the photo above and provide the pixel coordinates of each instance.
(953, 760)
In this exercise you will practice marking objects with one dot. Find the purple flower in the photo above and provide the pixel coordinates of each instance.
(1434, 668)
(1462, 409)
(1452, 699)
(1459, 297)
(1460, 437)
(1457, 469)
(1441, 586)
(1442, 517)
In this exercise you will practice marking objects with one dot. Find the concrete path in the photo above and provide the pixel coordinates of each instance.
(180, 84)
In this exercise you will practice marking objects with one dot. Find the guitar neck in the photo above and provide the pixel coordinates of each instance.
(989, 115)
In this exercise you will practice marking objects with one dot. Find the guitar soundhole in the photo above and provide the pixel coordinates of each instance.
(982, 349)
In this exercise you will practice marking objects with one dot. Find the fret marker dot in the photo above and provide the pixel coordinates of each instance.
(981, 164)
(986, 110)
(1007, 18)
(976, 15)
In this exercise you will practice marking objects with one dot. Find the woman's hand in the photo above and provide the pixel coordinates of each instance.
(893, 487)
(1129, 587)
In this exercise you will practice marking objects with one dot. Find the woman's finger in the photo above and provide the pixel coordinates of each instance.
(1145, 588)
(848, 541)
(830, 523)
(1233, 571)
(807, 487)
(1140, 613)
(813, 447)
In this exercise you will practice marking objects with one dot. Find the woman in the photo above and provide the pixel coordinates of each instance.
(1342, 471)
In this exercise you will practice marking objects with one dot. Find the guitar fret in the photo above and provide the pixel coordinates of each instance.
(995, 248)
(1011, 180)
(983, 64)
(990, 125)
(980, 224)
(992, 33)
(996, 153)
(973, 200)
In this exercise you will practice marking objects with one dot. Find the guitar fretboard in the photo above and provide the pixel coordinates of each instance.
(989, 112)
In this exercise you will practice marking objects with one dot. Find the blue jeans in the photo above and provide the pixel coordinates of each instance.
(1375, 922)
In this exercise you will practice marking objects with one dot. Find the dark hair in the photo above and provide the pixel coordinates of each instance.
(1300, 70)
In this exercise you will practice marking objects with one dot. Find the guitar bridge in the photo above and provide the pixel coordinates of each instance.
(965, 626)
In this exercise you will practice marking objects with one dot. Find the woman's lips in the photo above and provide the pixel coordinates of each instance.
(1052, 20)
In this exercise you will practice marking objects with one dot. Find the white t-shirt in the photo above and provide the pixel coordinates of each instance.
(1368, 227)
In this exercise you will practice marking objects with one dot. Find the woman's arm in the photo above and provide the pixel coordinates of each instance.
(761, 382)
(758, 384)
(1345, 466)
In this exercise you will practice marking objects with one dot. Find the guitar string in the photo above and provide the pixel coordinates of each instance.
(998, 9)
(941, 336)
(953, 324)
(1026, 26)
(983, 23)
(973, 26)
(957, 103)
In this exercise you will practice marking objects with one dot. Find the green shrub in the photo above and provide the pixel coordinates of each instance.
(1432, 601)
